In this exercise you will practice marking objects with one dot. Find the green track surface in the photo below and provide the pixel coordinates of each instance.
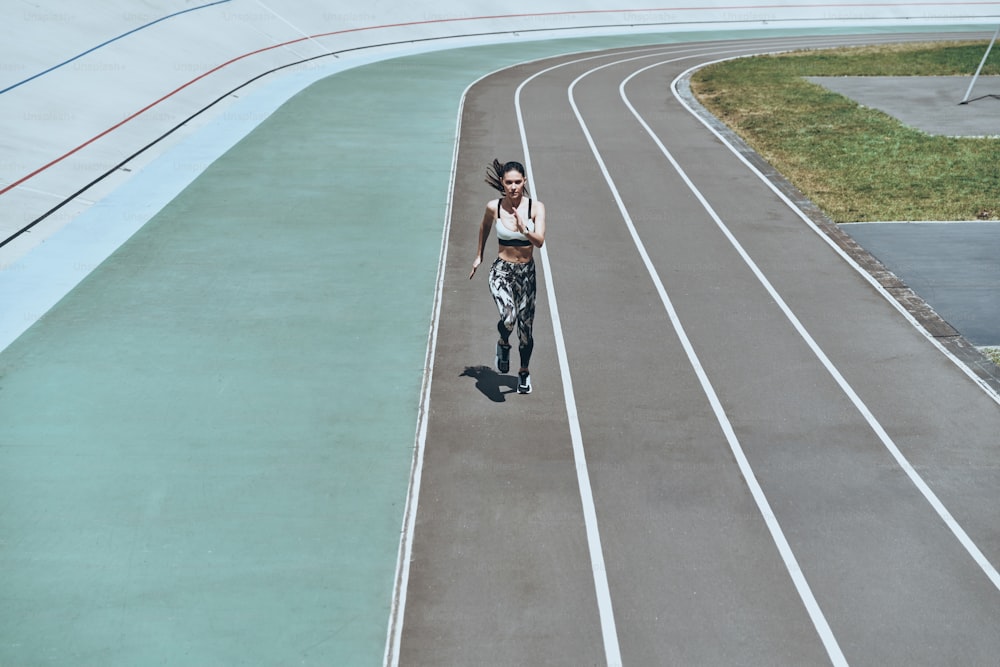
(205, 447)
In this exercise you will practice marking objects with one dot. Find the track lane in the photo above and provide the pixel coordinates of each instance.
(694, 576)
(943, 423)
(499, 558)
(715, 589)
(944, 606)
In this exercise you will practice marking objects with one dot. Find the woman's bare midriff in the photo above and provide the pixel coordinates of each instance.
(516, 254)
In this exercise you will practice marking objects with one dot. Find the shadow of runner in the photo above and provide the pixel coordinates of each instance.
(491, 383)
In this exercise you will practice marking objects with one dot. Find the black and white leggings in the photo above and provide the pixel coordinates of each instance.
(513, 288)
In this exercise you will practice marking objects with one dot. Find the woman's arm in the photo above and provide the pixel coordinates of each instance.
(484, 234)
(536, 237)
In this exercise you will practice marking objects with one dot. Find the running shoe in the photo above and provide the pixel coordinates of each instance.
(503, 357)
(524, 382)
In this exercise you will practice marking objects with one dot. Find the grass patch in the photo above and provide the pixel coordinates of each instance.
(992, 353)
(857, 163)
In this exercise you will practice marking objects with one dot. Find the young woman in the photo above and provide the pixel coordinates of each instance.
(520, 227)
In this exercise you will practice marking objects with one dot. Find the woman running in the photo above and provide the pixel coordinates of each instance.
(520, 225)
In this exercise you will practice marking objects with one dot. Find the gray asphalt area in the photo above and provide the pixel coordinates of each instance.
(953, 266)
(927, 103)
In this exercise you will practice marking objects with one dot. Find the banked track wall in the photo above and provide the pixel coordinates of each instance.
(90, 94)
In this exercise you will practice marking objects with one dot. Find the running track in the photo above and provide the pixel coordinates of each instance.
(739, 449)
(158, 534)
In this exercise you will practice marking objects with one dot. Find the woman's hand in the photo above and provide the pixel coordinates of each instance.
(475, 265)
(519, 222)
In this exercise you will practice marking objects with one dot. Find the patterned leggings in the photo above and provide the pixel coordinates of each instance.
(513, 288)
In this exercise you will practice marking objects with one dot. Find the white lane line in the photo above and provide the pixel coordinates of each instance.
(777, 534)
(402, 578)
(982, 384)
(609, 629)
(397, 613)
(398, 608)
(953, 525)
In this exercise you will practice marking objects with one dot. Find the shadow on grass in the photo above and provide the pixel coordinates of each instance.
(490, 383)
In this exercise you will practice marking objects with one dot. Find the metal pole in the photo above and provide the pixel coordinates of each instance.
(979, 69)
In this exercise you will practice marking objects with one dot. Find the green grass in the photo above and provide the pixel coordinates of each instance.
(857, 163)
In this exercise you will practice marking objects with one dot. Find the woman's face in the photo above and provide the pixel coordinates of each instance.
(513, 183)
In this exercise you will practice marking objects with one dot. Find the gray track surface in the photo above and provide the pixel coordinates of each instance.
(500, 572)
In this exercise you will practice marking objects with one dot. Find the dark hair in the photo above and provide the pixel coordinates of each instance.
(495, 172)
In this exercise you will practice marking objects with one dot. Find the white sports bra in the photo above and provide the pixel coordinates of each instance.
(508, 237)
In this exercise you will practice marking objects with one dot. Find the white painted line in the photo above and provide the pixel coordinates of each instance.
(609, 629)
(901, 460)
(847, 258)
(31, 284)
(777, 534)
(398, 610)
(977, 555)
(309, 38)
(920, 222)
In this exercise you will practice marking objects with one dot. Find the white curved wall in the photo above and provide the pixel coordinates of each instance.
(82, 88)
